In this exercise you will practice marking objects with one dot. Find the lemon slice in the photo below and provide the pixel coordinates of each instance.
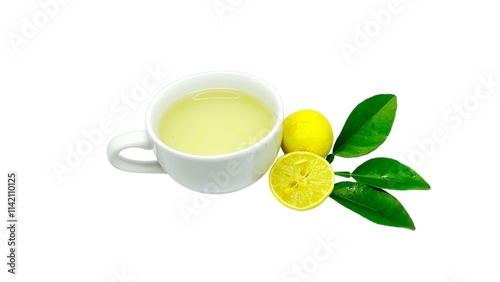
(301, 180)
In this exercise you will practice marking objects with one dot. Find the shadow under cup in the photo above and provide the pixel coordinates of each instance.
(220, 173)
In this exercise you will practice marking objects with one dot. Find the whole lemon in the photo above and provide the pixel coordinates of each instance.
(307, 130)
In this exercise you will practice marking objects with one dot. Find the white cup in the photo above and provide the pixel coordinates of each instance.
(208, 174)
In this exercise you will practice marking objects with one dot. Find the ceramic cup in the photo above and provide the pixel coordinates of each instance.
(208, 174)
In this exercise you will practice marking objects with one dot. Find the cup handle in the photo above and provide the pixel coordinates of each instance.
(135, 139)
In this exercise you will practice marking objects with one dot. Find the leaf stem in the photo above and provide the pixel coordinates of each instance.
(330, 158)
(345, 174)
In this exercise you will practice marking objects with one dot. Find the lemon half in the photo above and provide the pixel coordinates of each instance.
(301, 180)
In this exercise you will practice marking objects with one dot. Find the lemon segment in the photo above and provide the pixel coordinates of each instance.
(301, 180)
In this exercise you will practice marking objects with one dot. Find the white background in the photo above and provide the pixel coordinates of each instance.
(97, 223)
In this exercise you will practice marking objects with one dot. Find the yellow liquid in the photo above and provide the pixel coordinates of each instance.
(215, 122)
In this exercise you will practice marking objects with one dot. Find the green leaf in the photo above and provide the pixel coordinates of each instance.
(389, 174)
(367, 126)
(373, 204)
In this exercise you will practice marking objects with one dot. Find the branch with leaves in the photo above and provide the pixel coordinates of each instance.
(366, 128)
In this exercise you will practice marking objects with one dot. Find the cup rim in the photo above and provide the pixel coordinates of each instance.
(266, 139)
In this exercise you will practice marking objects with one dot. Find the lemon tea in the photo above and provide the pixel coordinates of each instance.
(215, 122)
